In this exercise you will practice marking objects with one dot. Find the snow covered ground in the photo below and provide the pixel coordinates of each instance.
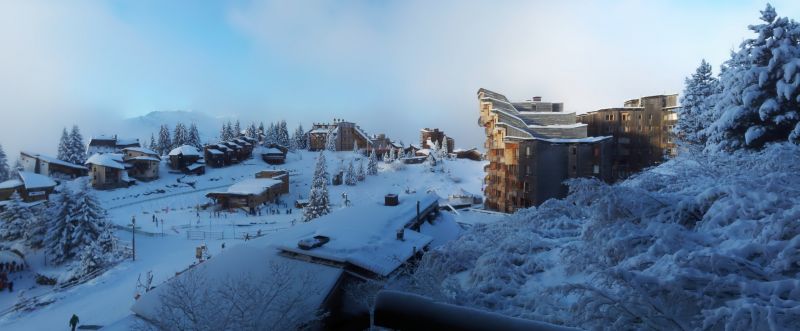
(164, 247)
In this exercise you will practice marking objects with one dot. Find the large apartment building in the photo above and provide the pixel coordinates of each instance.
(641, 130)
(345, 134)
(532, 147)
(428, 138)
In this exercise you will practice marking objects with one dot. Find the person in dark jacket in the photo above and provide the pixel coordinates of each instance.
(73, 322)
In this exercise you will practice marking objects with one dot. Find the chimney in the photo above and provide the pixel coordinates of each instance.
(537, 99)
(400, 234)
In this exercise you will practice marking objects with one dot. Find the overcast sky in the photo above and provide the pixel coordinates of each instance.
(391, 66)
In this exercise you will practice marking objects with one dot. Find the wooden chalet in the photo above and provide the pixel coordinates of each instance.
(214, 156)
(183, 157)
(110, 144)
(274, 155)
(249, 193)
(471, 154)
(50, 166)
(141, 163)
(30, 186)
(108, 171)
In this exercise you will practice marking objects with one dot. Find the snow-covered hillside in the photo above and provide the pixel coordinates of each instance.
(172, 201)
(142, 126)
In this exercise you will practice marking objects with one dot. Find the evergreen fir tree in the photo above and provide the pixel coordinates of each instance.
(5, 172)
(77, 149)
(372, 165)
(260, 133)
(318, 199)
(392, 155)
(153, 145)
(223, 133)
(60, 227)
(299, 137)
(64, 146)
(697, 101)
(89, 219)
(194, 137)
(444, 148)
(36, 228)
(760, 96)
(350, 176)
(164, 140)
(237, 130)
(330, 141)
(361, 174)
(271, 137)
(14, 219)
(283, 134)
(180, 136)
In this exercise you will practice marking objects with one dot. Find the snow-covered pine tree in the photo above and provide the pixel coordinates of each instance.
(261, 131)
(180, 136)
(318, 199)
(36, 227)
(271, 137)
(77, 149)
(223, 133)
(760, 98)
(60, 227)
(350, 176)
(164, 140)
(361, 174)
(299, 137)
(697, 101)
(64, 146)
(386, 157)
(194, 137)
(14, 219)
(392, 155)
(283, 134)
(89, 219)
(153, 145)
(5, 172)
(330, 141)
(237, 130)
(444, 149)
(250, 131)
(372, 165)
(229, 131)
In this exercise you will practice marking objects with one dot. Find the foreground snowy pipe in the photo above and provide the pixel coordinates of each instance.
(399, 310)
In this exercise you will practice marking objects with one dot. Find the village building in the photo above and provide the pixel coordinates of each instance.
(187, 159)
(382, 144)
(641, 130)
(214, 156)
(471, 154)
(274, 154)
(109, 144)
(266, 187)
(346, 135)
(108, 171)
(50, 166)
(532, 148)
(141, 163)
(430, 138)
(30, 186)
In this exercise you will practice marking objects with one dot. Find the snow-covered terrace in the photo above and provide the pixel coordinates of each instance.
(365, 236)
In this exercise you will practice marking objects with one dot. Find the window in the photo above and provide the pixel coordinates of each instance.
(528, 150)
(596, 169)
(528, 169)
(574, 150)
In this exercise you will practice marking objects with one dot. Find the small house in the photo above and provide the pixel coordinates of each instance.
(281, 175)
(214, 157)
(470, 154)
(50, 166)
(108, 171)
(110, 144)
(273, 155)
(249, 193)
(183, 156)
(143, 164)
(30, 186)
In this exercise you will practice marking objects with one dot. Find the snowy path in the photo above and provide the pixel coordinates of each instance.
(165, 196)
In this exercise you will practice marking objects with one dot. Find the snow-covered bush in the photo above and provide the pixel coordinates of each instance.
(700, 242)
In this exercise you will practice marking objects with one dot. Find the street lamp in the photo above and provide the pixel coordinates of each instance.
(133, 236)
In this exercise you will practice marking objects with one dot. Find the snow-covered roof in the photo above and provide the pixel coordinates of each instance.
(107, 160)
(195, 166)
(7, 256)
(364, 235)
(53, 160)
(557, 126)
(140, 150)
(145, 158)
(185, 150)
(272, 151)
(34, 180)
(127, 141)
(11, 183)
(252, 186)
(215, 151)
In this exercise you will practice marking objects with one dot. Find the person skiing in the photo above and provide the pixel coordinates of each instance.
(73, 322)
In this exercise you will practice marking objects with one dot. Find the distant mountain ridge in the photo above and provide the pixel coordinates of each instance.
(142, 126)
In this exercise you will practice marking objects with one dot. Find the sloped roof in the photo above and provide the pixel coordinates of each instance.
(184, 150)
(107, 160)
(33, 180)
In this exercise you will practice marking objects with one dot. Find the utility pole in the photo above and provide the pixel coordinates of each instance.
(133, 236)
